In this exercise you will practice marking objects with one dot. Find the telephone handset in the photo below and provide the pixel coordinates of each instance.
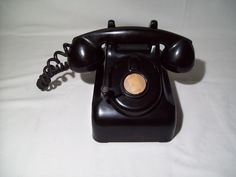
(132, 98)
(178, 55)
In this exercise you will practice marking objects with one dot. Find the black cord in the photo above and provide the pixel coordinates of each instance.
(50, 70)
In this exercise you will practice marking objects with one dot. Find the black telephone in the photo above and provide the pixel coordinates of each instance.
(132, 99)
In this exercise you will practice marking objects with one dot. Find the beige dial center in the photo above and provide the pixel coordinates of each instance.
(135, 83)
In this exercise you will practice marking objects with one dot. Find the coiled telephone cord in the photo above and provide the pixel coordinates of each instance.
(51, 70)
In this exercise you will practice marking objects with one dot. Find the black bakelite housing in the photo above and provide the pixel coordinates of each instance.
(116, 115)
(115, 52)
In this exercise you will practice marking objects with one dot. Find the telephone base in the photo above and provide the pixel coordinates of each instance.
(156, 125)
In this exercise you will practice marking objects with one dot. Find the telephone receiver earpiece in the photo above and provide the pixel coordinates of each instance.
(86, 53)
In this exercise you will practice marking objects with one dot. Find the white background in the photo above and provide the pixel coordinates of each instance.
(49, 134)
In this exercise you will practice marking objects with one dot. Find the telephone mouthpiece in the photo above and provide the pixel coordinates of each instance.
(179, 57)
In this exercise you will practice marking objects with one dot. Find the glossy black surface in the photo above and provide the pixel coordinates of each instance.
(84, 56)
(179, 57)
(116, 115)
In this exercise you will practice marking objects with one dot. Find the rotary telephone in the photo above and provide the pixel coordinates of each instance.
(132, 99)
